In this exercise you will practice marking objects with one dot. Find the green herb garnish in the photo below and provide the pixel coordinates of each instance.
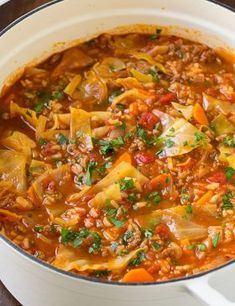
(42, 141)
(90, 169)
(226, 200)
(154, 197)
(128, 235)
(215, 240)
(126, 184)
(156, 35)
(140, 256)
(229, 172)
(148, 233)
(229, 141)
(62, 139)
(116, 222)
(101, 273)
(156, 245)
(189, 209)
(107, 146)
(114, 94)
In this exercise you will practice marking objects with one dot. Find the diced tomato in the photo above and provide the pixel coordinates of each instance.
(217, 177)
(167, 98)
(144, 158)
(148, 121)
(162, 230)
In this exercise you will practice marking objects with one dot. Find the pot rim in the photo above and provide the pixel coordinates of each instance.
(72, 275)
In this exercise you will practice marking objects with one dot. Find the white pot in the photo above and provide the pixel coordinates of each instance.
(35, 283)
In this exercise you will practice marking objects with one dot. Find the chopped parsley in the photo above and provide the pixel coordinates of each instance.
(154, 197)
(189, 209)
(229, 141)
(76, 237)
(229, 172)
(132, 198)
(140, 256)
(68, 235)
(42, 141)
(116, 222)
(110, 210)
(62, 139)
(90, 169)
(126, 183)
(226, 200)
(107, 146)
(148, 233)
(169, 143)
(153, 72)
(184, 196)
(128, 235)
(57, 95)
(114, 94)
(200, 246)
(102, 169)
(199, 136)
(38, 228)
(215, 240)
(101, 273)
(156, 245)
(44, 99)
(128, 135)
(96, 245)
(143, 135)
(156, 35)
(122, 126)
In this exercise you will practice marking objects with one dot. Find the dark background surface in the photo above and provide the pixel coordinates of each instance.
(9, 12)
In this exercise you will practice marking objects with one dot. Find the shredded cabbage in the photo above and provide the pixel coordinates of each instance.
(181, 138)
(221, 125)
(19, 142)
(211, 103)
(12, 168)
(68, 260)
(185, 110)
(28, 114)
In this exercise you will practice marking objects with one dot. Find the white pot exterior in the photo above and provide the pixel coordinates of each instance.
(34, 284)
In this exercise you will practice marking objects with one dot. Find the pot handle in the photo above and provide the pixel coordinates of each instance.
(204, 291)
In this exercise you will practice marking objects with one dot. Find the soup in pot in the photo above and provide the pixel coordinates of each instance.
(117, 159)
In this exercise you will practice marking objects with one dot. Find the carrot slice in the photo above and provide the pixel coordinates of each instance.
(199, 114)
(159, 179)
(124, 157)
(205, 198)
(137, 275)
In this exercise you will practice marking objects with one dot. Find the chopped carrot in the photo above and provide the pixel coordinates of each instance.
(205, 198)
(137, 275)
(124, 157)
(160, 179)
(199, 114)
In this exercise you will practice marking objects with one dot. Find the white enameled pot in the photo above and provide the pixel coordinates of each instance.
(35, 283)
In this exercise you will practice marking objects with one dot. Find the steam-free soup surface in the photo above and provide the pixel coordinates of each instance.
(117, 159)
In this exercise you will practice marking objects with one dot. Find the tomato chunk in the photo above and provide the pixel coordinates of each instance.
(148, 121)
(144, 158)
(162, 230)
(217, 177)
(167, 98)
